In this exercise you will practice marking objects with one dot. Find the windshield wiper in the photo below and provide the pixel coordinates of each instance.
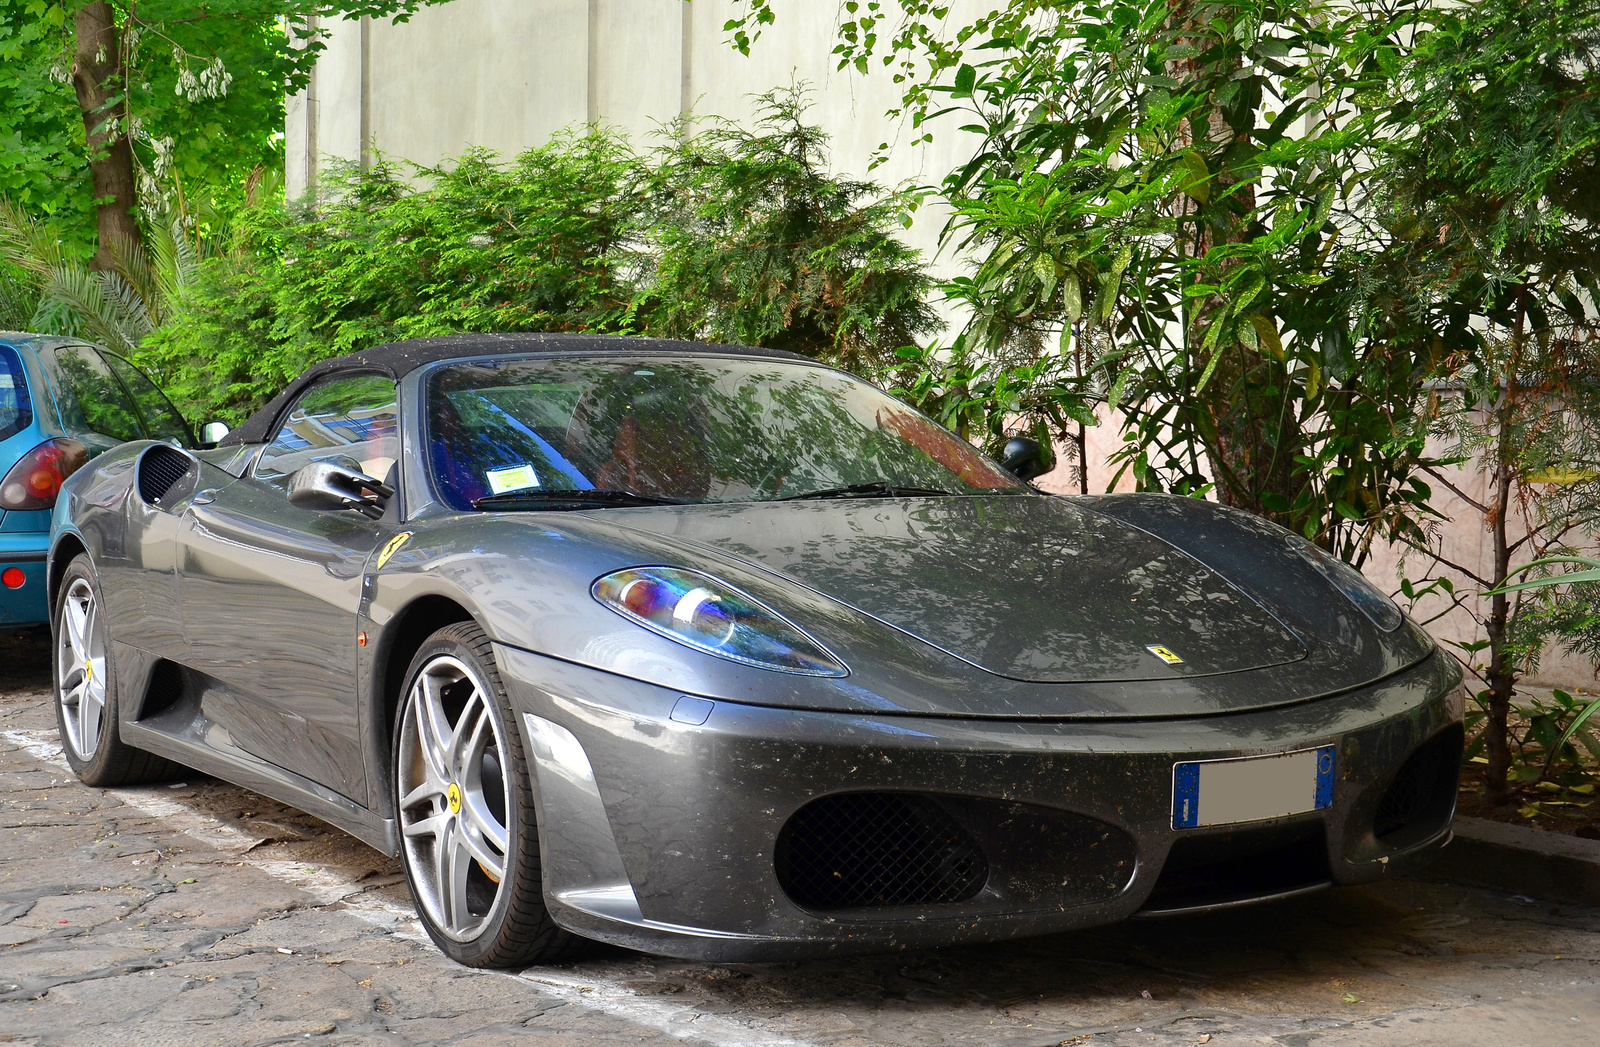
(873, 489)
(550, 499)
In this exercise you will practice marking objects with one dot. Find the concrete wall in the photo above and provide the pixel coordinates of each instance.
(506, 74)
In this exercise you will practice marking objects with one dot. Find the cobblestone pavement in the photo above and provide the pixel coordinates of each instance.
(197, 913)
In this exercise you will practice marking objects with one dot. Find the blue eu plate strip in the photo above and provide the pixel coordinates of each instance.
(1324, 777)
(1186, 796)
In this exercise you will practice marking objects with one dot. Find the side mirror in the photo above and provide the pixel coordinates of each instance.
(1024, 458)
(212, 433)
(329, 485)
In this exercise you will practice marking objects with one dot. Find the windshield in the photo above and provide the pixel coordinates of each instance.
(682, 429)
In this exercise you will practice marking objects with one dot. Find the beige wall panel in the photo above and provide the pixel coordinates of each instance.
(297, 127)
(338, 111)
(504, 74)
(637, 53)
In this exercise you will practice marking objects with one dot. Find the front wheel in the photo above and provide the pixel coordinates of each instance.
(469, 836)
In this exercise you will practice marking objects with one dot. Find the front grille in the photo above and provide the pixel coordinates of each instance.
(1218, 868)
(160, 468)
(857, 850)
(1423, 793)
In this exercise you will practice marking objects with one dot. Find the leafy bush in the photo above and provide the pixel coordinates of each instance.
(753, 242)
(529, 246)
(725, 236)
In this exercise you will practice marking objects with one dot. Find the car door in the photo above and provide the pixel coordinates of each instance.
(95, 407)
(270, 591)
(159, 419)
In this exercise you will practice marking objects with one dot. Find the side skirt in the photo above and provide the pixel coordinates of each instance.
(166, 716)
(232, 764)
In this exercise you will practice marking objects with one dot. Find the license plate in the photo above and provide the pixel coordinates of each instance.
(1223, 792)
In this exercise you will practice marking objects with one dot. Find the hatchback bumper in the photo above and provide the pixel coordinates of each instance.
(25, 604)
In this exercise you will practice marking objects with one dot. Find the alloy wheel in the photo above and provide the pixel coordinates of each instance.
(81, 669)
(453, 787)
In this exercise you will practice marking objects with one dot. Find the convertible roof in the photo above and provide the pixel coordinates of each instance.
(397, 359)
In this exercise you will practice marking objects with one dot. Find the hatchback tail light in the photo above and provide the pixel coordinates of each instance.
(35, 480)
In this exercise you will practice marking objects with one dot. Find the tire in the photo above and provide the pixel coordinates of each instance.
(464, 804)
(86, 695)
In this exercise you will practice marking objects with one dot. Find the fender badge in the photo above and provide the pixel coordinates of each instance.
(392, 546)
(1164, 653)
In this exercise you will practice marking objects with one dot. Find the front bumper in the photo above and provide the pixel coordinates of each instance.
(661, 833)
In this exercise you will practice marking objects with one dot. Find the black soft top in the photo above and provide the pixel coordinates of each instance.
(398, 359)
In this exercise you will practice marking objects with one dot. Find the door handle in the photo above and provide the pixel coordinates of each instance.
(205, 497)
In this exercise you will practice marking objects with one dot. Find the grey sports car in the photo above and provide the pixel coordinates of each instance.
(722, 653)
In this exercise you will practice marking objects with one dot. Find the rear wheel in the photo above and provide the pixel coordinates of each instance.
(469, 837)
(86, 689)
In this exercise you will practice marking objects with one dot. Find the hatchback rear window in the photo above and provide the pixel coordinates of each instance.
(16, 410)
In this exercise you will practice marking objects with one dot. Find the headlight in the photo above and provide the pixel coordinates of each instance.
(710, 615)
(1369, 598)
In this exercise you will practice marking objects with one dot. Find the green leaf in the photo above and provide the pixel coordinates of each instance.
(966, 77)
(1197, 183)
(1071, 297)
(1267, 335)
(1572, 729)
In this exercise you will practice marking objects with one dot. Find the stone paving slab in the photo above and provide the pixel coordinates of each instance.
(203, 914)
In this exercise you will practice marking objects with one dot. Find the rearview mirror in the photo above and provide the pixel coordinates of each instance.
(212, 433)
(1024, 458)
(329, 485)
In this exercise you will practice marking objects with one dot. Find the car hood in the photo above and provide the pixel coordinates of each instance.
(1031, 588)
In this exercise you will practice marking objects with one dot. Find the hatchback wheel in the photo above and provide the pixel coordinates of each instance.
(469, 836)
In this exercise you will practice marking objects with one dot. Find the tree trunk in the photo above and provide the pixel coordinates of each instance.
(1501, 675)
(1246, 396)
(1502, 672)
(98, 81)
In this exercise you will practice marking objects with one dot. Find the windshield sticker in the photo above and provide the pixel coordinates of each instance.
(511, 478)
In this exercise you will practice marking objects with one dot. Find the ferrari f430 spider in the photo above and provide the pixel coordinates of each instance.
(723, 653)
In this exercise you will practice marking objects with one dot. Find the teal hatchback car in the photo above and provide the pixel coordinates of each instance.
(62, 401)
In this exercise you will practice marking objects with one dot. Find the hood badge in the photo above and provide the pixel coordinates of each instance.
(1165, 654)
(392, 546)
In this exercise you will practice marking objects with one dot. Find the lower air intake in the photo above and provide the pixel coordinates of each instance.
(1423, 794)
(1221, 868)
(860, 850)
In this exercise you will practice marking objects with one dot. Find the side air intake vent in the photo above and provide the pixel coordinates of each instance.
(1423, 793)
(877, 849)
(161, 469)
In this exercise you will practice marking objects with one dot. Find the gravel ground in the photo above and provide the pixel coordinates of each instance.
(198, 913)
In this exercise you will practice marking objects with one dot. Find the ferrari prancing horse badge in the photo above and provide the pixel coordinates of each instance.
(392, 546)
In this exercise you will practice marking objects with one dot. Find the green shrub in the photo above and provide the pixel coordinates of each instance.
(752, 241)
(484, 247)
(722, 236)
